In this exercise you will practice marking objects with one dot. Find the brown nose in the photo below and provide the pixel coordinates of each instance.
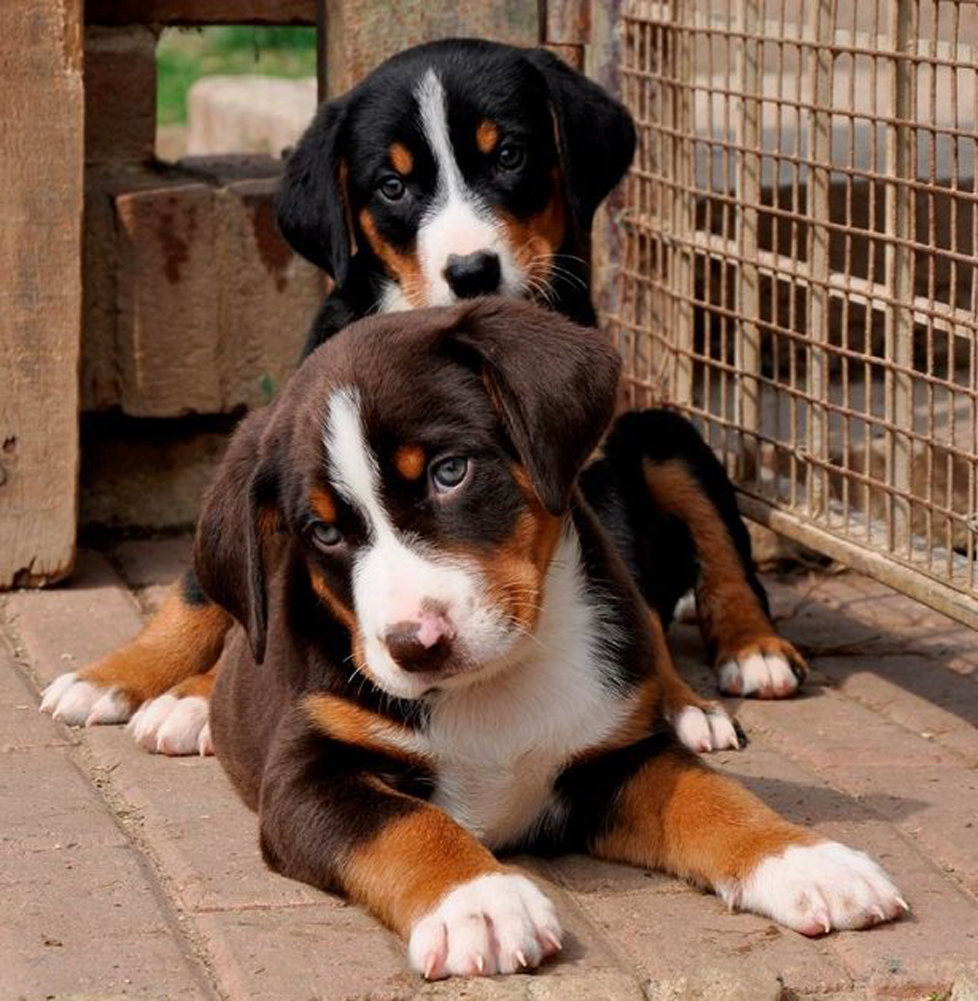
(420, 646)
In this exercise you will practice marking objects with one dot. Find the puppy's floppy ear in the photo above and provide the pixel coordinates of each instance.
(554, 384)
(237, 517)
(596, 135)
(312, 205)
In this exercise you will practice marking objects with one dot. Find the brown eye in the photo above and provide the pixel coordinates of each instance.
(391, 187)
(326, 536)
(447, 474)
(511, 156)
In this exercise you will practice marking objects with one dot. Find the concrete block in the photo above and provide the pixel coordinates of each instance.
(248, 114)
(193, 302)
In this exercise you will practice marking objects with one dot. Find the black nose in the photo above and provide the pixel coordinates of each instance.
(405, 646)
(473, 274)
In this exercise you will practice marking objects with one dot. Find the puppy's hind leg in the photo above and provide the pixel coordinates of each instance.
(687, 495)
(674, 813)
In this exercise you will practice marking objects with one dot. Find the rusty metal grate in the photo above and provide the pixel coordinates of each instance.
(797, 266)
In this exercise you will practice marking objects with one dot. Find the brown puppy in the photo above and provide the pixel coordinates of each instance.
(440, 651)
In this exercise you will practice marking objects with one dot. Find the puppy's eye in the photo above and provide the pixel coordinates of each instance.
(448, 474)
(511, 156)
(391, 187)
(325, 536)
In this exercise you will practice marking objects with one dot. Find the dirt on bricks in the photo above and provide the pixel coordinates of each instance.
(124, 874)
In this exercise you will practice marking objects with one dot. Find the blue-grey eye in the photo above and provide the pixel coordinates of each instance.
(326, 536)
(447, 474)
(392, 187)
(511, 156)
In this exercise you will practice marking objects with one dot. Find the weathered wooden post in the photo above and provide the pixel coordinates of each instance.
(41, 194)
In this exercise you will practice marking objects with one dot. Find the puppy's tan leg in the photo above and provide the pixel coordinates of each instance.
(749, 656)
(182, 639)
(676, 814)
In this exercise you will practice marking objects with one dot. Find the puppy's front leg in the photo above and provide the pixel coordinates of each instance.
(345, 829)
(676, 814)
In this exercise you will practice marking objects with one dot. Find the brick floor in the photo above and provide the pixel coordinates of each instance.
(124, 874)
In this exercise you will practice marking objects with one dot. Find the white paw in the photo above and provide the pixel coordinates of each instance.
(500, 923)
(168, 725)
(709, 730)
(685, 610)
(80, 702)
(815, 888)
(767, 675)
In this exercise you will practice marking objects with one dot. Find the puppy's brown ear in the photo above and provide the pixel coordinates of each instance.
(313, 200)
(238, 516)
(596, 135)
(554, 384)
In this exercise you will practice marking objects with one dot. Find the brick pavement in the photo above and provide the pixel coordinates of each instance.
(128, 875)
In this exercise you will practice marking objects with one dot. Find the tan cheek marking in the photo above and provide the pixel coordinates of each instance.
(412, 863)
(515, 570)
(534, 241)
(321, 501)
(410, 461)
(340, 609)
(486, 136)
(401, 158)
(405, 269)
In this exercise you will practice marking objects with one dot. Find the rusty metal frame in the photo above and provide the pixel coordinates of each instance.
(795, 264)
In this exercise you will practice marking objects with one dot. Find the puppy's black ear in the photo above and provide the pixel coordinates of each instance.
(238, 516)
(595, 132)
(313, 210)
(554, 384)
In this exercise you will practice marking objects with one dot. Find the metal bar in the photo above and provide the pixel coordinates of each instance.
(926, 590)
(747, 343)
(821, 34)
(683, 210)
(899, 263)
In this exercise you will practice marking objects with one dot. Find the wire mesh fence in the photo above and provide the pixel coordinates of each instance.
(798, 265)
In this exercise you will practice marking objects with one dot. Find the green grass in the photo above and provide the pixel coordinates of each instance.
(184, 55)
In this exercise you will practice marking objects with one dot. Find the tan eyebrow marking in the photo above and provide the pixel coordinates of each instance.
(409, 461)
(321, 501)
(486, 136)
(401, 158)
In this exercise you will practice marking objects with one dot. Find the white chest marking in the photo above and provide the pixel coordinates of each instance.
(498, 746)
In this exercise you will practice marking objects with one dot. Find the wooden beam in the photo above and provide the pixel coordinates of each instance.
(197, 12)
(41, 194)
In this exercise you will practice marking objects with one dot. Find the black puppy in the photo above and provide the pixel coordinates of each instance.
(455, 169)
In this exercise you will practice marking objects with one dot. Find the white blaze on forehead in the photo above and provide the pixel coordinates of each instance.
(353, 466)
(457, 221)
(394, 575)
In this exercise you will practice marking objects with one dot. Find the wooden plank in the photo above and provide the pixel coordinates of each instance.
(363, 33)
(193, 12)
(41, 163)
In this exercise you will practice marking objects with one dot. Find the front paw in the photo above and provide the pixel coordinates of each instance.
(706, 729)
(78, 702)
(815, 888)
(499, 923)
(768, 668)
(173, 726)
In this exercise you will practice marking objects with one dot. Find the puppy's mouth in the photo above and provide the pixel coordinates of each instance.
(461, 670)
